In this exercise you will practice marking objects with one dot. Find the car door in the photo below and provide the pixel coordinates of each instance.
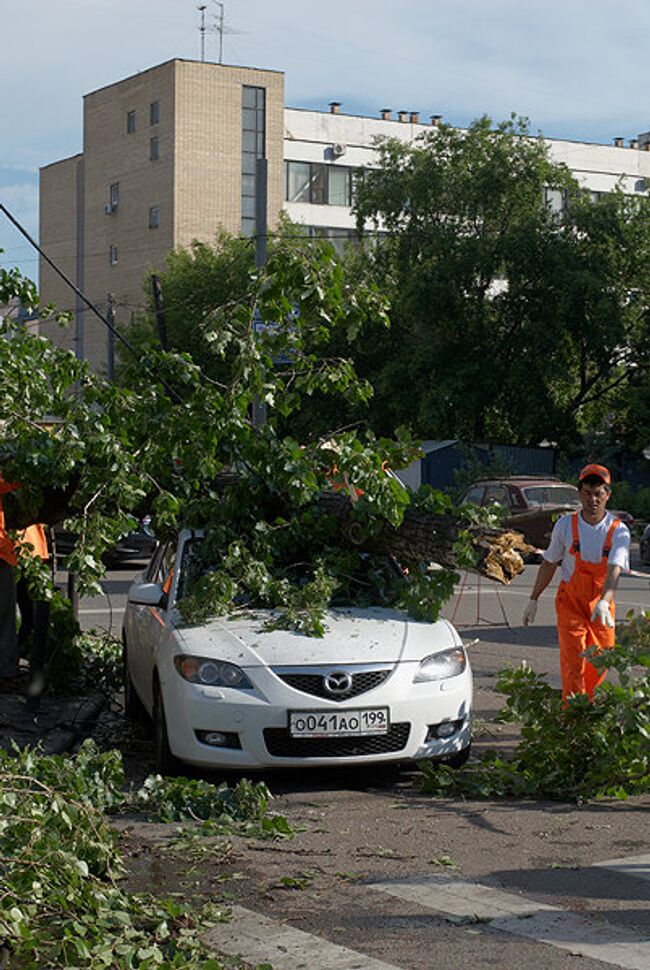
(145, 623)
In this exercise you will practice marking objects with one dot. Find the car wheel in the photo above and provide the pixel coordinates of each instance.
(459, 759)
(133, 706)
(166, 763)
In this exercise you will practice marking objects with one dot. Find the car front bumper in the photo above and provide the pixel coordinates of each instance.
(259, 721)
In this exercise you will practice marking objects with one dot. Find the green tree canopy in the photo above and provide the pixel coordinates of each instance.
(512, 319)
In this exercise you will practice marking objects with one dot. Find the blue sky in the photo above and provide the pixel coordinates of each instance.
(578, 69)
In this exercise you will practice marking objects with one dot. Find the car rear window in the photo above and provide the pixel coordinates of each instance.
(552, 495)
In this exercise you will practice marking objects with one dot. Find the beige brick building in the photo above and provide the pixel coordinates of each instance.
(170, 154)
(168, 157)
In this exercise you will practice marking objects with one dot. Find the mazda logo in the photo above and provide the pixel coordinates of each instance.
(338, 682)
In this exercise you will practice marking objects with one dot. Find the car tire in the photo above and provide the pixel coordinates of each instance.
(134, 709)
(165, 762)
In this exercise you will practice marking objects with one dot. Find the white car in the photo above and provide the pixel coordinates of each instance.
(378, 687)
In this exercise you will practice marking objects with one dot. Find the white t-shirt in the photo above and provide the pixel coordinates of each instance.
(591, 539)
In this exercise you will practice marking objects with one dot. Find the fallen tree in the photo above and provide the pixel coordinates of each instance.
(185, 449)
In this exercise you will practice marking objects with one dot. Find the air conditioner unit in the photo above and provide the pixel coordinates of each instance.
(338, 149)
(109, 208)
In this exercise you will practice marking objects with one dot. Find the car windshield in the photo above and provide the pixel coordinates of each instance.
(363, 580)
(537, 495)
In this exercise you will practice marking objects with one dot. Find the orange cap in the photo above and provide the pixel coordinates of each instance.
(598, 470)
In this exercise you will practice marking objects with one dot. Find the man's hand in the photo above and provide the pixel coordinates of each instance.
(530, 612)
(602, 614)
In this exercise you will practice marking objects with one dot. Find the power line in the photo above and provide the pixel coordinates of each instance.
(91, 306)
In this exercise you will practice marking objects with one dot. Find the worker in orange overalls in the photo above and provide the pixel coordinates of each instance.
(34, 613)
(8, 638)
(592, 547)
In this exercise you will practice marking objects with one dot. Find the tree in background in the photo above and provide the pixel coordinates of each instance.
(512, 318)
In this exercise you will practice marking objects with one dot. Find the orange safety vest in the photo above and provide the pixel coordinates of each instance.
(7, 551)
(575, 602)
(35, 536)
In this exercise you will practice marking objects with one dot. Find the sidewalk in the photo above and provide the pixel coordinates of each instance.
(57, 724)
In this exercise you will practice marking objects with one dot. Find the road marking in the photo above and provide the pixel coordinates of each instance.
(102, 611)
(636, 866)
(511, 913)
(258, 939)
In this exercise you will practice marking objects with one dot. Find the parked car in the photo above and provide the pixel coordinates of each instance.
(378, 687)
(534, 503)
(136, 545)
(644, 546)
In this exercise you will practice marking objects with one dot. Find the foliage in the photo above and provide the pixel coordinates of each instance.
(475, 467)
(576, 751)
(242, 809)
(510, 321)
(165, 444)
(634, 501)
(62, 905)
(194, 282)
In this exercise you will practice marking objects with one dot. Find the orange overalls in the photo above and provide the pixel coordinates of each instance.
(575, 602)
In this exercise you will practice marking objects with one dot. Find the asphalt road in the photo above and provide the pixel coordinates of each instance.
(379, 876)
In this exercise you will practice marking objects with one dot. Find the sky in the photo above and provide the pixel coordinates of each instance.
(578, 69)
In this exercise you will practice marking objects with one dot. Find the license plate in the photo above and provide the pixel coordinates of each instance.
(338, 724)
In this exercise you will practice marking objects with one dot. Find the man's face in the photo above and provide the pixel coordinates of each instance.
(594, 500)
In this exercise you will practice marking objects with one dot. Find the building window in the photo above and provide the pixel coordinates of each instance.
(112, 255)
(154, 149)
(153, 217)
(113, 198)
(339, 182)
(318, 184)
(253, 147)
(130, 122)
(154, 112)
(339, 237)
(555, 201)
(298, 175)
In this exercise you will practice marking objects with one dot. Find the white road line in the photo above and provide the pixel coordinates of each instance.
(115, 612)
(636, 866)
(511, 913)
(258, 939)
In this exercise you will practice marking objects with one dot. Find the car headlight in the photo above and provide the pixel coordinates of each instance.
(212, 673)
(439, 666)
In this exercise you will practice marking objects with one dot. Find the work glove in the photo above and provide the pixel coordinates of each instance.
(530, 612)
(602, 614)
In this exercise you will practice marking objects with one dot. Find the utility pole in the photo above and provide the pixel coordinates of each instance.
(261, 257)
(160, 311)
(110, 338)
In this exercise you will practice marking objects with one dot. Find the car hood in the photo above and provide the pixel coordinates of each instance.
(371, 635)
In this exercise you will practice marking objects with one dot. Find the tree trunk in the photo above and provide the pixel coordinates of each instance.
(423, 537)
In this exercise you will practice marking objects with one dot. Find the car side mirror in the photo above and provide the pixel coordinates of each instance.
(148, 594)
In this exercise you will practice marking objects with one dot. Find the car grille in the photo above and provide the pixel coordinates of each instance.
(280, 744)
(314, 684)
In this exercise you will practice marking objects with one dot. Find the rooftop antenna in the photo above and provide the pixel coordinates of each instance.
(202, 9)
(219, 22)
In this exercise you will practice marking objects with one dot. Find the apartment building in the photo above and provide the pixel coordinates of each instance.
(170, 155)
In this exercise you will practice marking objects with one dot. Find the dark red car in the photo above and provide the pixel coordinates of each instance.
(534, 503)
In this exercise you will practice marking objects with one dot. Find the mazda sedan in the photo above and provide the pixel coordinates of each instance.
(378, 687)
